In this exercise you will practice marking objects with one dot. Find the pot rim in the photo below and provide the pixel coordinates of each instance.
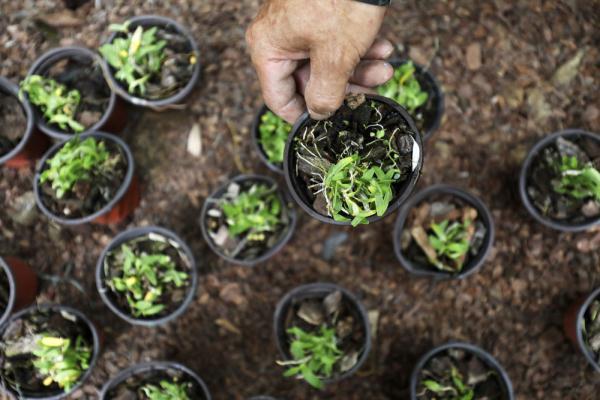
(11, 289)
(578, 326)
(11, 89)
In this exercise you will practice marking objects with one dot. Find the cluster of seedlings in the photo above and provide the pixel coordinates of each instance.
(273, 133)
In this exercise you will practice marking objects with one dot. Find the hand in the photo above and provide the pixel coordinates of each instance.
(333, 36)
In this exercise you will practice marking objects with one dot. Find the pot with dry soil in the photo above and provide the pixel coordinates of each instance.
(582, 326)
(20, 142)
(156, 381)
(46, 352)
(269, 135)
(443, 232)
(89, 178)
(357, 166)
(18, 286)
(322, 332)
(459, 371)
(559, 182)
(151, 61)
(248, 220)
(69, 94)
(147, 276)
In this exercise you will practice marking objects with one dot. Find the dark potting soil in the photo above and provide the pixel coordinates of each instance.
(131, 388)
(16, 358)
(591, 328)
(152, 243)
(544, 174)
(13, 122)
(472, 371)
(4, 291)
(333, 311)
(87, 197)
(351, 130)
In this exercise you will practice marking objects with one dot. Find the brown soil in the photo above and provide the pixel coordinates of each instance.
(13, 122)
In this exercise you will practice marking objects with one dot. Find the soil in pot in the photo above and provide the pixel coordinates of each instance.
(248, 219)
(564, 180)
(325, 338)
(45, 353)
(590, 328)
(443, 233)
(13, 121)
(457, 374)
(153, 63)
(82, 177)
(273, 133)
(353, 163)
(4, 292)
(148, 276)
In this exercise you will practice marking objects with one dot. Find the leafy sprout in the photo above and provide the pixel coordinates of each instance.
(455, 389)
(57, 103)
(578, 180)
(450, 240)
(315, 355)
(404, 88)
(144, 279)
(166, 391)
(273, 134)
(136, 57)
(60, 360)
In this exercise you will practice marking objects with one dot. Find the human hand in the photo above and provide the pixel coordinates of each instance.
(321, 49)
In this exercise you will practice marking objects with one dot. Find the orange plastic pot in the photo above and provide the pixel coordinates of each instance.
(23, 283)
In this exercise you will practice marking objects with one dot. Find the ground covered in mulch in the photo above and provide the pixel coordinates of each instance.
(498, 64)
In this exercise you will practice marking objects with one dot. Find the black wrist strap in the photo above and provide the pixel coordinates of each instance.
(376, 2)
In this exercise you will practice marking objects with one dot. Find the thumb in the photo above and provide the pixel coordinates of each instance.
(330, 71)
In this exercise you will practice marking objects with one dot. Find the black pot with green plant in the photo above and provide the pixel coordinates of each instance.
(559, 182)
(147, 276)
(151, 61)
(47, 352)
(459, 371)
(269, 135)
(248, 220)
(416, 89)
(357, 166)
(156, 381)
(582, 326)
(322, 332)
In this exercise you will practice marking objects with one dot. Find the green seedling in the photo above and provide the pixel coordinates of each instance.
(145, 278)
(77, 161)
(450, 240)
(136, 57)
(273, 135)
(404, 88)
(455, 389)
(57, 103)
(60, 360)
(253, 211)
(314, 355)
(578, 180)
(166, 391)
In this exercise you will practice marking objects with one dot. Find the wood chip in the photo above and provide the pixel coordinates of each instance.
(194, 142)
(473, 56)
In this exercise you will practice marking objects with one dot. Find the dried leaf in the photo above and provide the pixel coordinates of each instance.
(228, 326)
(348, 361)
(332, 302)
(568, 71)
(194, 142)
(311, 312)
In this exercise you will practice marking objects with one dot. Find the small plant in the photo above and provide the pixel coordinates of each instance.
(166, 391)
(77, 161)
(452, 387)
(450, 240)
(60, 360)
(590, 326)
(273, 135)
(145, 278)
(314, 355)
(58, 104)
(137, 57)
(404, 88)
(577, 180)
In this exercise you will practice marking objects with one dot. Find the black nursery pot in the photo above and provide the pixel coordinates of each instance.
(483, 355)
(475, 263)
(104, 291)
(114, 117)
(433, 118)
(273, 250)
(148, 21)
(317, 291)
(80, 319)
(148, 369)
(256, 141)
(573, 324)
(298, 188)
(523, 177)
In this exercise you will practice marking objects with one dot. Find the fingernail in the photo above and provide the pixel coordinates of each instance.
(316, 115)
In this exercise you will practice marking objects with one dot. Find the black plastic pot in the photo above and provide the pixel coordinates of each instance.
(539, 146)
(474, 263)
(150, 367)
(480, 353)
(115, 115)
(22, 285)
(432, 121)
(573, 325)
(33, 143)
(104, 291)
(169, 24)
(122, 195)
(320, 290)
(57, 394)
(278, 168)
(272, 251)
(297, 187)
